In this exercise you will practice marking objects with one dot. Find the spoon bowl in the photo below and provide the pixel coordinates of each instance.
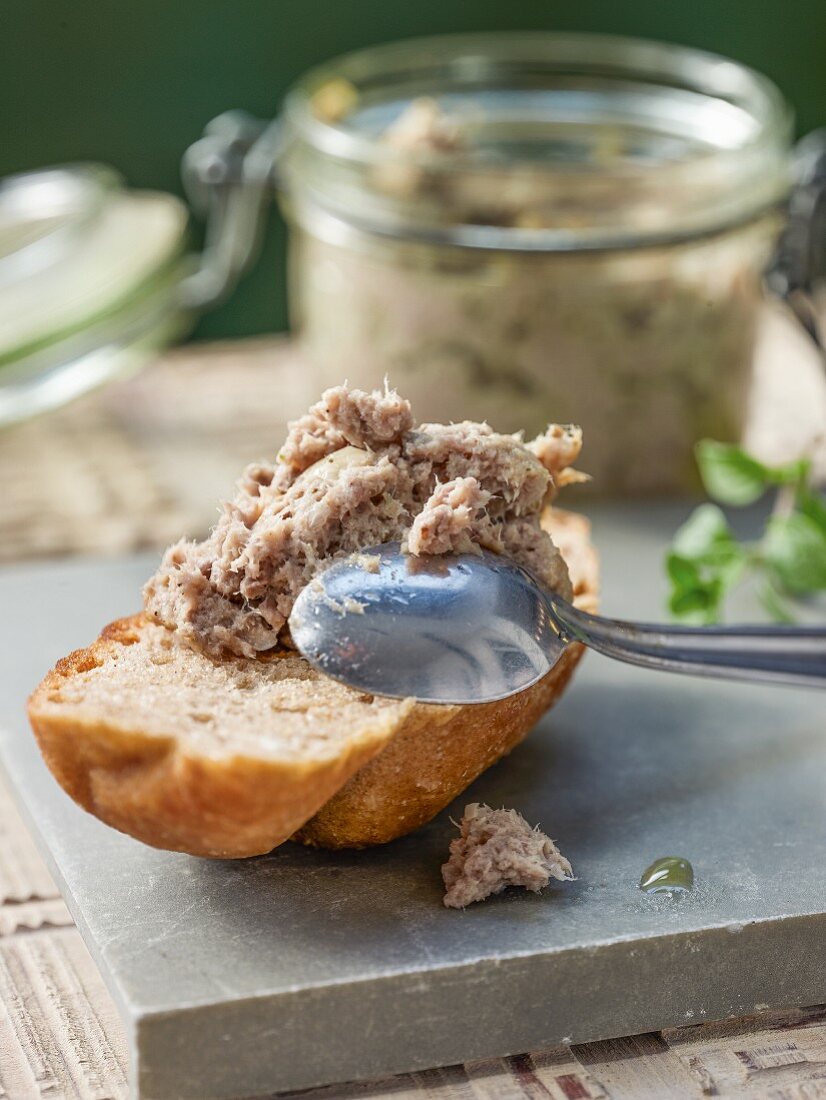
(456, 629)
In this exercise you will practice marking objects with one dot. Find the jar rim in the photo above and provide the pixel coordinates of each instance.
(751, 170)
(467, 54)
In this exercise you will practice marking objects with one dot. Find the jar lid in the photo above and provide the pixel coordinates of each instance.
(88, 271)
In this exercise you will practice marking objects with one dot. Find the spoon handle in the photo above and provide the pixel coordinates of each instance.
(781, 654)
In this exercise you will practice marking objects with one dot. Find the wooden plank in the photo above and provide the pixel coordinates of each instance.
(61, 1037)
(23, 875)
(547, 1075)
(562, 1075)
(639, 1067)
(28, 916)
(777, 1055)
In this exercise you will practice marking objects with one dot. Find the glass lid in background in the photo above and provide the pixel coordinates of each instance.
(43, 213)
(86, 275)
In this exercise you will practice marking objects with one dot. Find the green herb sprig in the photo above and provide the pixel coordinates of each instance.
(707, 561)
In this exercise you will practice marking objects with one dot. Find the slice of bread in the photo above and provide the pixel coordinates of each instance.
(230, 757)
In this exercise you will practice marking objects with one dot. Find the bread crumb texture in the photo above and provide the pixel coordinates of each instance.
(214, 757)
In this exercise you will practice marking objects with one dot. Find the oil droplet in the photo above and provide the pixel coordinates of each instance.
(669, 875)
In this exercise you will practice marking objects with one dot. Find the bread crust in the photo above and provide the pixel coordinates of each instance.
(409, 761)
(160, 792)
(440, 750)
(436, 754)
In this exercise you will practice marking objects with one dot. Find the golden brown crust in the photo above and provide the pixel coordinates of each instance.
(439, 751)
(436, 754)
(155, 789)
(411, 761)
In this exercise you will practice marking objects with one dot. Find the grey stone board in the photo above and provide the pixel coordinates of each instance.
(304, 967)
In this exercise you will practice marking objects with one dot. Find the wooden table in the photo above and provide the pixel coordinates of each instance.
(141, 463)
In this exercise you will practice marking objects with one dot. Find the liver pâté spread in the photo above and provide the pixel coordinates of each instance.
(496, 849)
(354, 472)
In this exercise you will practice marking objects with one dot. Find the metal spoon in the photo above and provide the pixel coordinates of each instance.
(473, 628)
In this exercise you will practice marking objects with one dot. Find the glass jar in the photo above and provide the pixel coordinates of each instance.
(579, 236)
(96, 279)
(88, 274)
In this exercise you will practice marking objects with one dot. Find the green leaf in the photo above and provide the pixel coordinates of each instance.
(682, 571)
(694, 596)
(729, 474)
(705, 537)
(794, 547)
(699, 605)
(812, 506)
(706, 560)
(793, 473)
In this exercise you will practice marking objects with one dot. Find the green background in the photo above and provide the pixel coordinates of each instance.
(132, 82)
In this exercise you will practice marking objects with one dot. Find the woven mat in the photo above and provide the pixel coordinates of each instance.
(143, 462)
